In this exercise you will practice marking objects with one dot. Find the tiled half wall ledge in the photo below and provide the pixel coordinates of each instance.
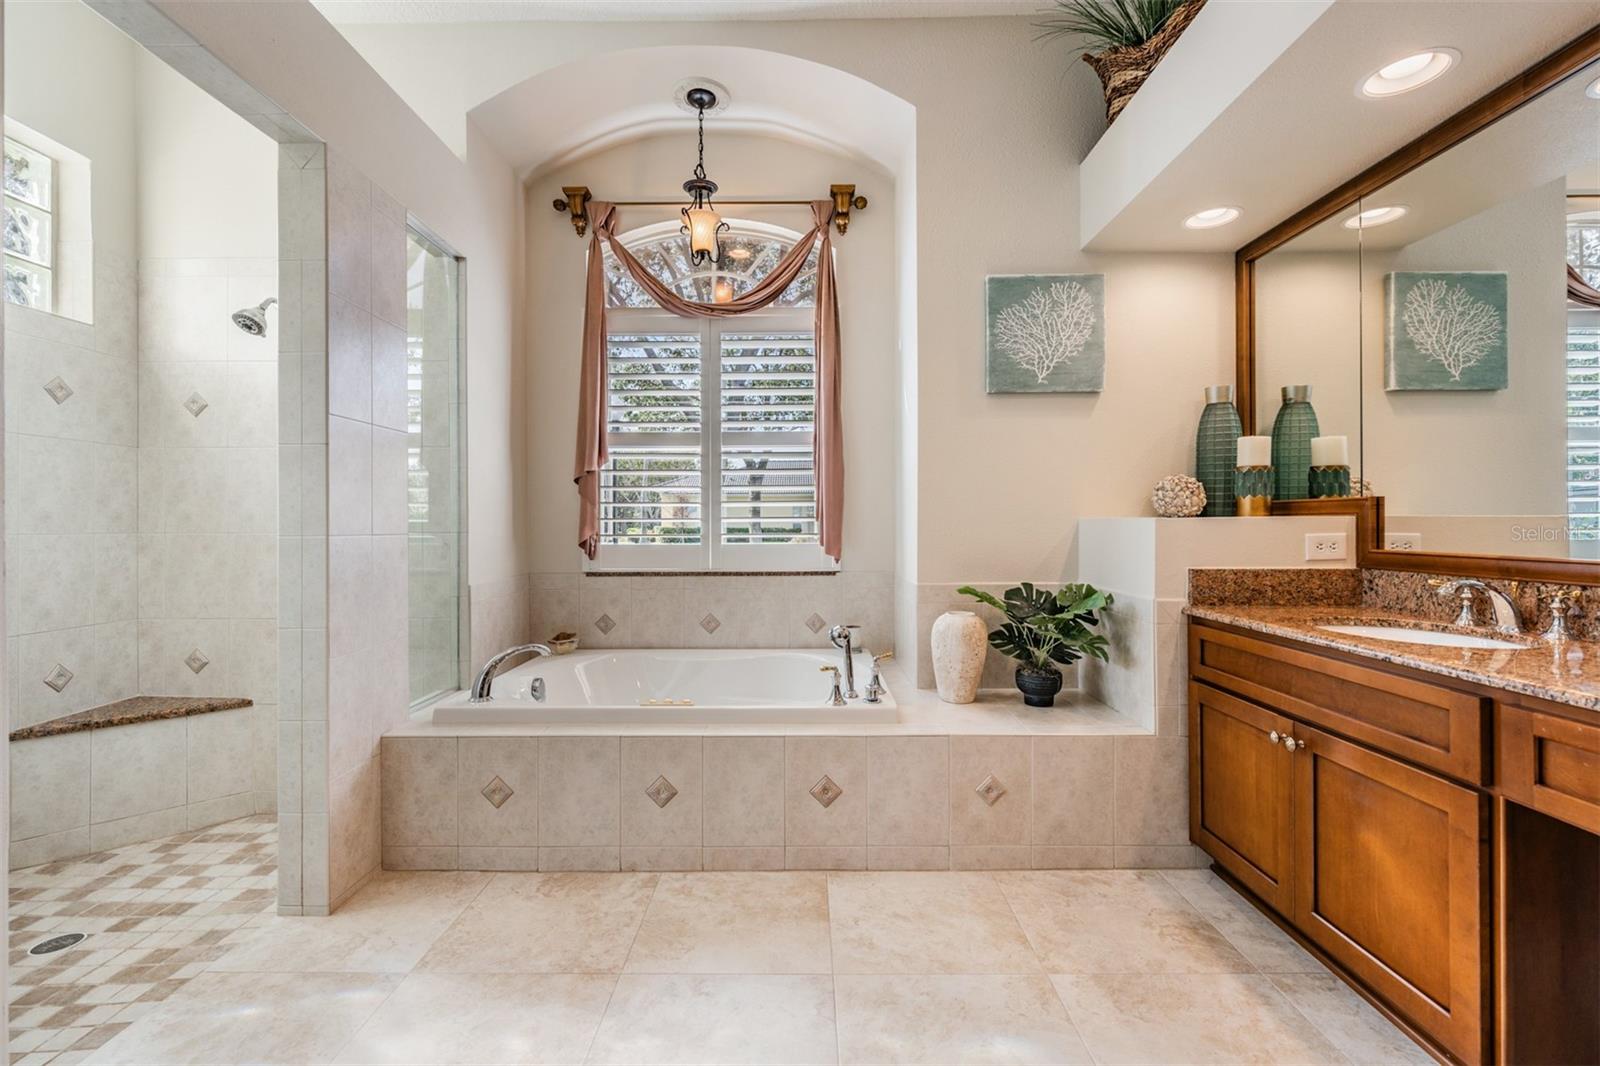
(179, 766)
(785, 802)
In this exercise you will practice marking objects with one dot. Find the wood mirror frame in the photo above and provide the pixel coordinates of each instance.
(1368, 510)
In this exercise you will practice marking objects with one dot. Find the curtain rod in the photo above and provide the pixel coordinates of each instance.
(575, 199)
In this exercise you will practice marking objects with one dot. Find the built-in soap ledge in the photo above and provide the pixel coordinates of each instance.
(128, 712)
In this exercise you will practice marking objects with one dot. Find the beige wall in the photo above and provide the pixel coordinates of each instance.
(996, 483)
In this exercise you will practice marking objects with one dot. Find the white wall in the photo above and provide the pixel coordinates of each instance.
(1001, 124)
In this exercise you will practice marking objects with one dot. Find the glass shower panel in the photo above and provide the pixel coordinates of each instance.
(435, 482)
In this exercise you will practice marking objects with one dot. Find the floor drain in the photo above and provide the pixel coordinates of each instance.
(56, 943)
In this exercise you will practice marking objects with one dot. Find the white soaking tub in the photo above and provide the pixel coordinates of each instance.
(759, 685)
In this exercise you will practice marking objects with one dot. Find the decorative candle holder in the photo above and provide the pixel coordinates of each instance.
(1252, 490)
(1327, 481)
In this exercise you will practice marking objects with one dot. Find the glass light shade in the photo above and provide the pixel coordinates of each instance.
(722, 291)
(703, 223)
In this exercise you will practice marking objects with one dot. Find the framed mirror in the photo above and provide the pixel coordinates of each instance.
(1442, 311)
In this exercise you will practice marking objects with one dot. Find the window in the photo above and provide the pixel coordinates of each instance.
(29, 234)
(710, 421)
(1583, 394)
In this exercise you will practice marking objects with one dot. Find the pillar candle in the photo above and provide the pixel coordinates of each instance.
(1255, 451)
(1330, 451)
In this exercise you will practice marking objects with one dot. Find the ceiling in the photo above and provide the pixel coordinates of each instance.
(392, 12)
(1300, 128)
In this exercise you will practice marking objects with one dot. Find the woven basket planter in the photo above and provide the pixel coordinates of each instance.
(1123, 70)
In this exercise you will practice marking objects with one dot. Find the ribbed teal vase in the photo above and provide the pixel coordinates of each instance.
(1216, 447)
(1292, 431)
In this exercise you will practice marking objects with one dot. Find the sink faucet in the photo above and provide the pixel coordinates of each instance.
(841, 638)
(1507, 620)
(480, 686)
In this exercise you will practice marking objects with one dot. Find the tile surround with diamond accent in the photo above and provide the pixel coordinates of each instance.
(605, 624)
(826, 791)
(991, 790)
(59, 677)
(710, 623)
(58, 390)
(196, 660)
(816, 622)
(195, 404)
(497, 792)
(661, 791)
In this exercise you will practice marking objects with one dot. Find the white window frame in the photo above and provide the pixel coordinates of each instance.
(710, 555)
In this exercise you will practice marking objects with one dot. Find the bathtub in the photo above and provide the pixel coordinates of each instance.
(667, 685)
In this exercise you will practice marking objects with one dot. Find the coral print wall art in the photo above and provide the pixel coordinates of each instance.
(1445, 331)
(1046, 333)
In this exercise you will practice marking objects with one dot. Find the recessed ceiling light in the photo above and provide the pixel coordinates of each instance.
(1412, 72)
(1211, 217)
(1593, 91)
(1374, 216)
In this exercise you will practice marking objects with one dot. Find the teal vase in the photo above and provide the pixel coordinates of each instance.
(1216, 447)
(1292, 431)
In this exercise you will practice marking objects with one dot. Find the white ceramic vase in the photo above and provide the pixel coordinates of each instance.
(959, 641)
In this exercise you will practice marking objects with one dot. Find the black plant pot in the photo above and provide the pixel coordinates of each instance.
(1039, 687)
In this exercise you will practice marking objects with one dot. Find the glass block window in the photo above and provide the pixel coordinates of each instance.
(710, 421)
(29, 227)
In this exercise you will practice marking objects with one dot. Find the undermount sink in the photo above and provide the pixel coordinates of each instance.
(1407, 635)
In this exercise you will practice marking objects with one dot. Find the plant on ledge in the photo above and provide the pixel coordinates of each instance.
(1043, 628)
(1122, 40)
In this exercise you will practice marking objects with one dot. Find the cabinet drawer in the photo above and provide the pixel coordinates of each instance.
(1551, 764)
(1427, 724)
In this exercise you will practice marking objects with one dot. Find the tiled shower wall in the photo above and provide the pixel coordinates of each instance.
(208, 503)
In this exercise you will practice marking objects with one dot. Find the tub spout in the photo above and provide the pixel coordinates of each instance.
(485, 678)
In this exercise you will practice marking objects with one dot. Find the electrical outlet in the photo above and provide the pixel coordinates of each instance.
(1403, 542)
(1325, 547)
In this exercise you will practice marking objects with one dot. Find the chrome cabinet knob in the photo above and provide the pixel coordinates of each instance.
(1274, 736)
(1292, 744)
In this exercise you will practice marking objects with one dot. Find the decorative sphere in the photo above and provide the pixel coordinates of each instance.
(1178, 496)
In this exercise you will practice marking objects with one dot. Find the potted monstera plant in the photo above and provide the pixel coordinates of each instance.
(1043, 629)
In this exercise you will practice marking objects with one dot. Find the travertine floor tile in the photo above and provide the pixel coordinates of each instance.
(484, 1018)
(1189, 1018)
(735, 923)
(1267, 947)
(253, 1017)
(954, 1018)
(386, 927)
(924, 923)
(1116, 921)
(1349, 1021)
(545, 923)
(702, 1019)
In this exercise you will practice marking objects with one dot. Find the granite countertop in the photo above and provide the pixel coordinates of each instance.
(129, 711)
(1567, 673)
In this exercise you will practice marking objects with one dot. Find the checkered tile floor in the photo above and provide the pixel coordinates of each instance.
(156, 914)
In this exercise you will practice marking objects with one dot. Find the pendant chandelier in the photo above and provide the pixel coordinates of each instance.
(700, 220)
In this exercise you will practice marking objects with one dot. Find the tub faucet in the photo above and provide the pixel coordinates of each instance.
(480, 686)
(835, 699)
(841, 638)
(875, 689)
(1506, 618)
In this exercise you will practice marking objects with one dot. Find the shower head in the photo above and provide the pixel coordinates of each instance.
(253, 320)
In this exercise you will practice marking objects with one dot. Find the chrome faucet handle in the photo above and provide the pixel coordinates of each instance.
(1462, 590)
(875, 689)
(1561, 603)
(835, 698)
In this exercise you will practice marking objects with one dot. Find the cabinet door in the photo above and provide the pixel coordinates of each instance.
(1240, 792)
(1390, 880)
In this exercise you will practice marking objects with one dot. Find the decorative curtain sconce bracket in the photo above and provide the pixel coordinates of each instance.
(845, 198)
(575, 199)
